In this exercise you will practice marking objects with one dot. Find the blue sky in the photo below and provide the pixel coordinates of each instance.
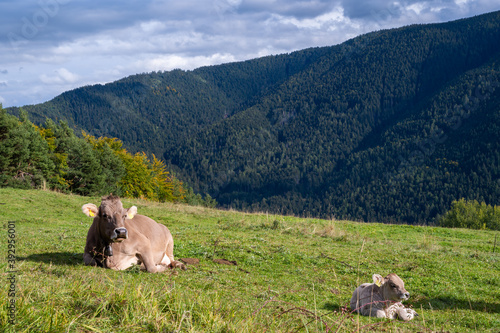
(51, 46)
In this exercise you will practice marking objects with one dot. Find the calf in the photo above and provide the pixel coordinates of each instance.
(382, 298)
(119, 238)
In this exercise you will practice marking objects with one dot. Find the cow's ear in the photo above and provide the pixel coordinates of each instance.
(131, 212)
(90, 210)
(378, 279)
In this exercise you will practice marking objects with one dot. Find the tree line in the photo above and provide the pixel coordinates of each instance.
(51, 156)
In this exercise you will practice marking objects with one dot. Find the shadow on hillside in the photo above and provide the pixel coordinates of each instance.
(56, 258)
(454, 303)
(331, 306)
(336, 307)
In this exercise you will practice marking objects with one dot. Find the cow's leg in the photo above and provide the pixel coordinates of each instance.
(165, 261)
(169, 251)
(177, 264)
(378, 313)
(371, 310)
(172, 264)
(406, 314)
(89, 260)
(169, 256)
(121, 262)
(393, 310)
(150, 265)
(374, 309)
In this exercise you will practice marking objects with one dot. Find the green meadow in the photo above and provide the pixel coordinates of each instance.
(280, 274)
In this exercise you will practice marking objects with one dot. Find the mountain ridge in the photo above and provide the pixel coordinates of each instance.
(317, 131)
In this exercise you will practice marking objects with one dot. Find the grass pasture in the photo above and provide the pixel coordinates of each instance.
(291, 274)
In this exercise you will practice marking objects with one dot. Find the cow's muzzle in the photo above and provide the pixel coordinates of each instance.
(119, 234)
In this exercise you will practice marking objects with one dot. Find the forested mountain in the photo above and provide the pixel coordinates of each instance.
(391, 126)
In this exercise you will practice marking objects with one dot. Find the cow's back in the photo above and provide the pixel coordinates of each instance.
(364, 294)
(155, 232)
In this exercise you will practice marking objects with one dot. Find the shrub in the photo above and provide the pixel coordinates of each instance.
(471, 215)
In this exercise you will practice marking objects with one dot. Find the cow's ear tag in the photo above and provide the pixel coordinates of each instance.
(131, 212)
(89, 209)
(378, 279)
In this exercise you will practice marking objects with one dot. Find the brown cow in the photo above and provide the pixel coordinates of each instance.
(382, 298)
(119, 238)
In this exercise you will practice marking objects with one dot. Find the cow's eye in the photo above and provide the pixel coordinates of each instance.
(393, 285)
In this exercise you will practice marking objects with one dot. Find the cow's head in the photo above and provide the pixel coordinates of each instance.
(392, 287)
(111, 218)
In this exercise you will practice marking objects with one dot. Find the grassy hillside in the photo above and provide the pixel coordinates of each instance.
(292, 274)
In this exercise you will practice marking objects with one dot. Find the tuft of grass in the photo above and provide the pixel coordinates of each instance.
(428, 243)
(332, 231)
(288, 274)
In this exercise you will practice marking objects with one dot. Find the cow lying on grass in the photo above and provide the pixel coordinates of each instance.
(382, 298)
(119, 238)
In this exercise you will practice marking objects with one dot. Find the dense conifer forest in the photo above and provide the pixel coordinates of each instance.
(391, 126)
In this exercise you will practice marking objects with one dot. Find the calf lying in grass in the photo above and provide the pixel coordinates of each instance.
(382, 298)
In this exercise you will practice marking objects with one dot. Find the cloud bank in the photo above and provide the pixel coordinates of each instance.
(51, 46)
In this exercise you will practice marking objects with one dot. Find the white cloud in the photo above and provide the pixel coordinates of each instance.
(462, 3)
(85, 43)
(152, 26)
(169, 62)
(326, 20)
(61, 76)
(417, 8)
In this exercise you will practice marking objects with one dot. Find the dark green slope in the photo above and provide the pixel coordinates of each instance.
(319, 144)
(336, 131)
(448, 150)
(153, 112)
